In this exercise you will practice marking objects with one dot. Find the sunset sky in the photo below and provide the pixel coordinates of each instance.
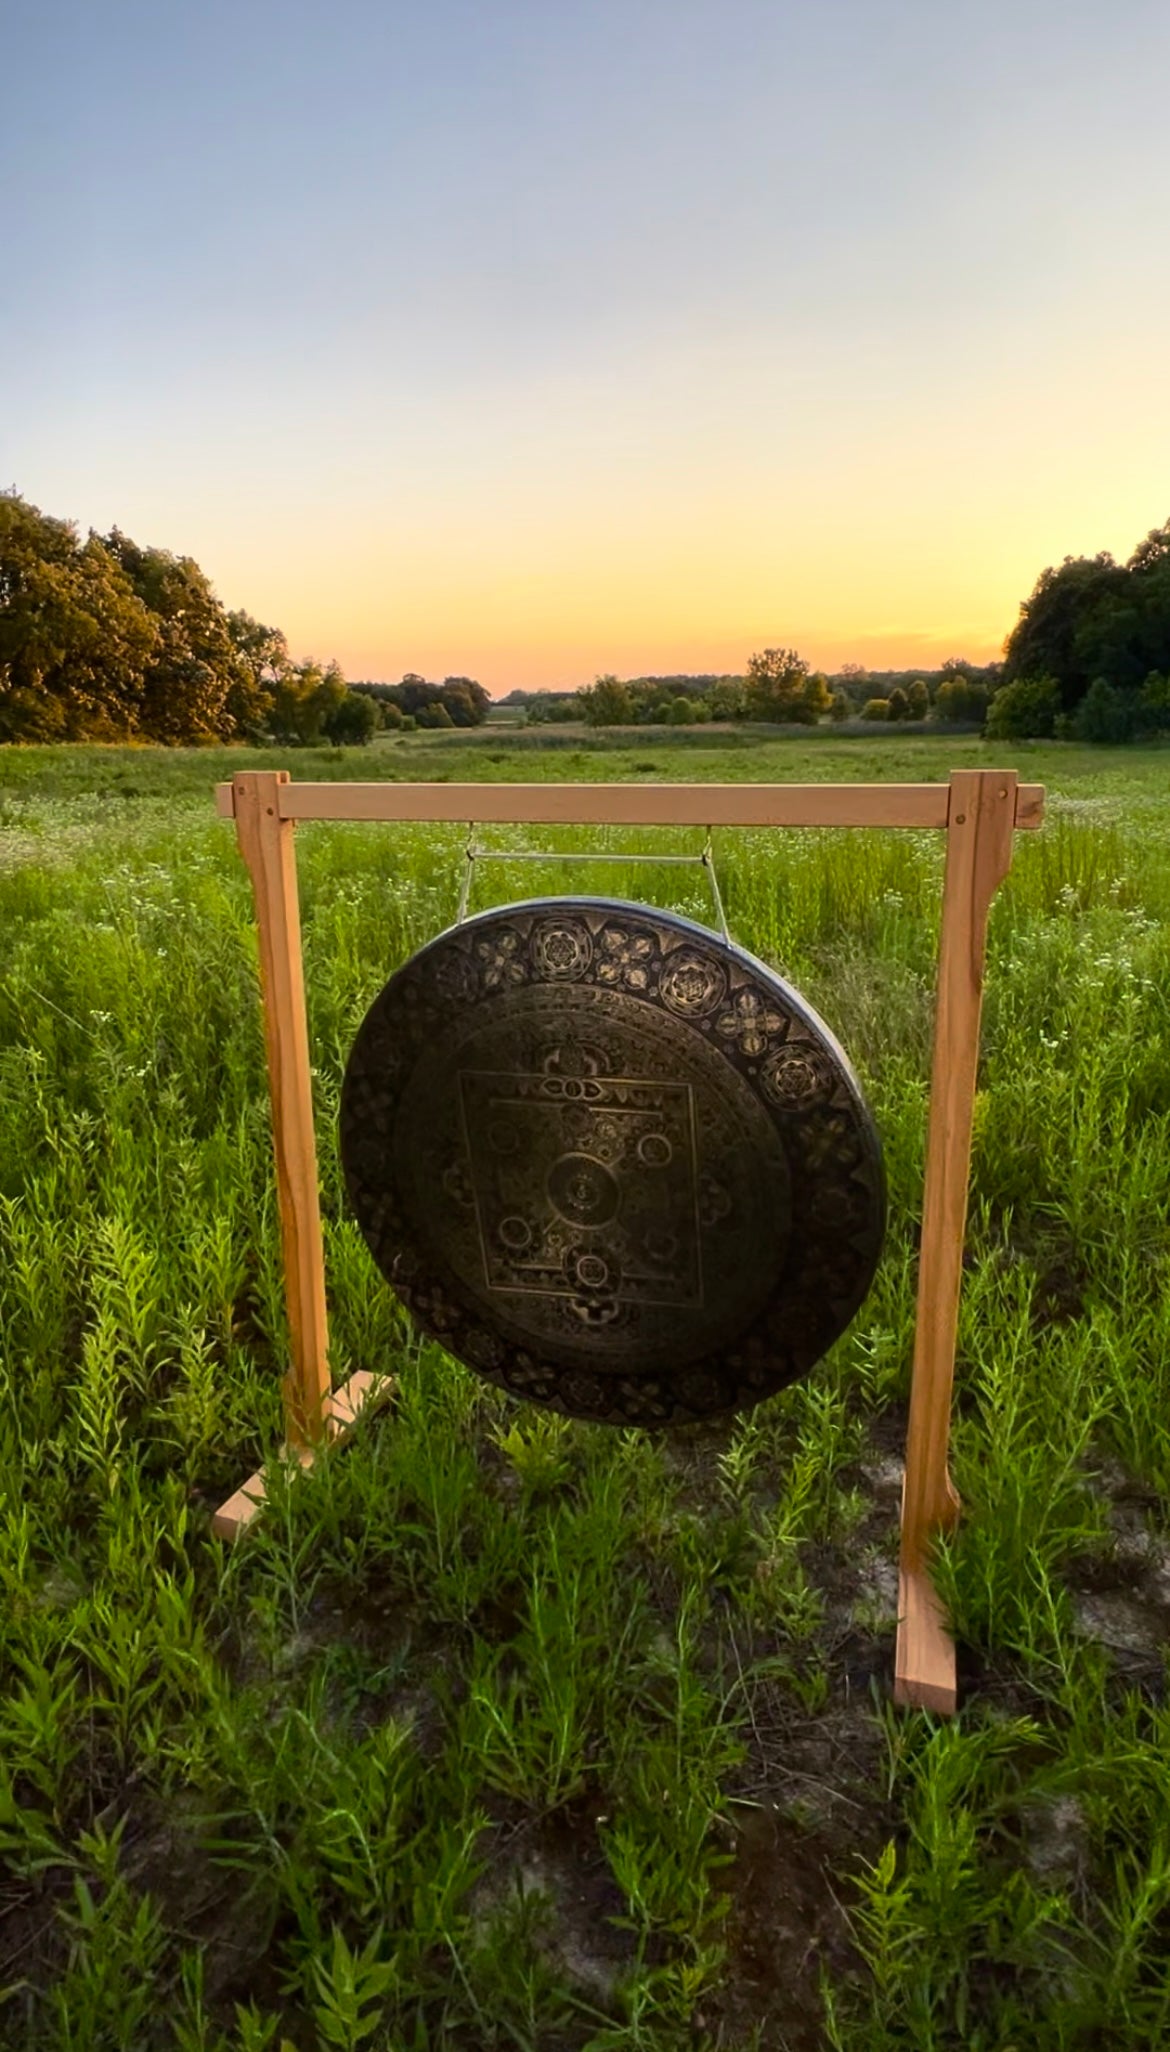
(529, 339)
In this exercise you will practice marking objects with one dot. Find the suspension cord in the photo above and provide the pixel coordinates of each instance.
(470, 854)
(474, 852)
(707, 858)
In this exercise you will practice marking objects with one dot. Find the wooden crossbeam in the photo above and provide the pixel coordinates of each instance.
(703, 805)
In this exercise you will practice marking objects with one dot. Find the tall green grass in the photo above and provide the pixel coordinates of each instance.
(474, 1740)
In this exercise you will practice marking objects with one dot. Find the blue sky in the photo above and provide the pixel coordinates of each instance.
(534, 340)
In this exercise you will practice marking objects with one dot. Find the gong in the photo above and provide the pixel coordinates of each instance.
(611, 1162)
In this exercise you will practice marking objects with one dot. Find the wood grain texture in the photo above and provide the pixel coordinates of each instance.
(642, 804)
(266, 843)
(860, 805)
(979, 851)
(233, 1518)
(1029, 804)
(924, 1668)
(364, 1391)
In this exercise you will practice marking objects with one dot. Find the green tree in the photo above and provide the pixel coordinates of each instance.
(1081, 621)
(195, 668)
(434, 714)
(897, 704)
(263, 651)
(305, 702)
(728, 699)
(816, 696)
(960, 702)
(413, 693)
(1149, 568)
(776, 683)
(1152, 713)
(606, 702)
(75, 639)
(876, 709)
(681, 711)
(465, 700)
(352, 721)
(839, 707)
(1104, 714)
(1154, 552)
(917, 699)
(1027, 708)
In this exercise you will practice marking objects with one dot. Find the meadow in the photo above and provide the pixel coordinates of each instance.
(502, 1731)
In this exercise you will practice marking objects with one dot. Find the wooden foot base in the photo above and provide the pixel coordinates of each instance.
(363, 1391)
(924, 1659)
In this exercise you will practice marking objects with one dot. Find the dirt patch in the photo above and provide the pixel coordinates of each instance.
(786, 1927)
(556, 1864)
(1121, 1593)
(163, 1856)
(1059, 1297)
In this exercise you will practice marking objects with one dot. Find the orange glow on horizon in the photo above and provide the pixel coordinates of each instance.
(564, 669)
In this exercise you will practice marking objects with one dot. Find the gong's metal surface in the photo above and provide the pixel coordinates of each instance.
(611, 1162)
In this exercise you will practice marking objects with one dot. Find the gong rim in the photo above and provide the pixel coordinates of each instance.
(735, 1058)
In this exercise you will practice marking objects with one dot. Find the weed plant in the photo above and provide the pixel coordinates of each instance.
(503, 1731)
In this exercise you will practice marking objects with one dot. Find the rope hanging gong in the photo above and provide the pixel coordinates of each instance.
(612, 1162)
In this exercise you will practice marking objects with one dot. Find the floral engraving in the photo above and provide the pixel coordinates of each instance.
(625, 958)
(501, 960)
(454, 979)
(692, 986)
(560, 950)
(750, 1021)
(796, 1076)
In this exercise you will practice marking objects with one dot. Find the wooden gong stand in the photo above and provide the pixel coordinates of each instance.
(978, 810)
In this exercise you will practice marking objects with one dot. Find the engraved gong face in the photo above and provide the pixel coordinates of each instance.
(611, 1162)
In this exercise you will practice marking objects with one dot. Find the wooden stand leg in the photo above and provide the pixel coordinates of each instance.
(266, 844)
(312, 1412)
(363, 1391)
(980, 827)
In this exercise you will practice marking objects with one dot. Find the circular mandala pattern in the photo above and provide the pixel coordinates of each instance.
(654, 1150)
(591, 1272)
(797, 1076)
(692, 984)
(583, 1190)
(560, 950)
(612, 1162)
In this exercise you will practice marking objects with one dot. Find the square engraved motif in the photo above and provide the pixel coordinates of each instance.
(585, 1187)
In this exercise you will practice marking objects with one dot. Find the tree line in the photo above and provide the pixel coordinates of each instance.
(104, 640)
(456, 702)
(779, 687)
(1088, 660)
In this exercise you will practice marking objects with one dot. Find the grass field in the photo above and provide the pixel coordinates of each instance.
(501, 1731)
